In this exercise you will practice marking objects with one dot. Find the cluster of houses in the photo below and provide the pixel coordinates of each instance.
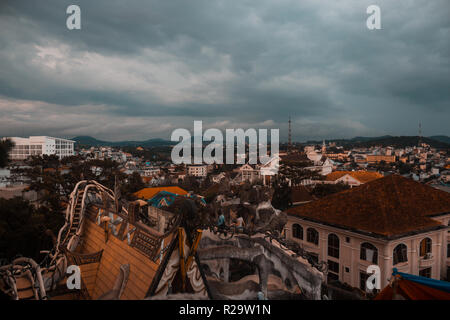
(423, 163)
(390, 216)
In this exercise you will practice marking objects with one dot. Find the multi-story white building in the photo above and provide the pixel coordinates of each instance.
(40, 145)
(392, 222)
(198, 170)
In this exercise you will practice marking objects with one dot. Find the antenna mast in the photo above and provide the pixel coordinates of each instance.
(290, 136)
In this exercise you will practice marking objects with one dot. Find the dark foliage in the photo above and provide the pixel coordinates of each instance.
(5, 147)
(322, 190)
(281, 198)
(22, 229)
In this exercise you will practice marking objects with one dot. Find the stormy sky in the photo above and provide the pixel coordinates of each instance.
(140, 69)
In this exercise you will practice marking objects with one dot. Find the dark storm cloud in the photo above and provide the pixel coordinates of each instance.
(157, 65)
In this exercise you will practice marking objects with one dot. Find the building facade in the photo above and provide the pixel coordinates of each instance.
(376, 158)
(198, 170)
(349, 254)
(392, 222)
(40, 145)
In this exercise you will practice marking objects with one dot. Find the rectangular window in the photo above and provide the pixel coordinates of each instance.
(314, 257)
(332, 277)
(425, 272)
(363, 276)
(333, 270)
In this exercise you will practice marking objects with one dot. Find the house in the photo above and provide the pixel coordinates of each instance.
(392, 222)
(314, 156)
(198, 170)
(269, 169)
(148, 193)
(300, 195)
(249, 173)
(39, 146)
(218, 177)
(376, 158)
(353, 178)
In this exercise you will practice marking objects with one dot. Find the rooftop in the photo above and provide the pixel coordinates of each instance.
(361, 176)
(388, 207)
(300, 194)
(148, 193)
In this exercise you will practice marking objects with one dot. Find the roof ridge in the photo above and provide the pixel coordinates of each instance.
(388, 206)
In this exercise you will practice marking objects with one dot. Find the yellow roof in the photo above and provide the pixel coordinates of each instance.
(148, 193)
(361, 176)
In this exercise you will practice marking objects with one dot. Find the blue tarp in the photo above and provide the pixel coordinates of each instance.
(433, 283)
(165, 198)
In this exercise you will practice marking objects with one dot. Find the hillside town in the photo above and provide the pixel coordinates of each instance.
(339, 209)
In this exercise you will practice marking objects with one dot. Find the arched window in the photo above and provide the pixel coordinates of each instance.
(400, 253)
(333, 245)
(312, 236)
(297, 231)
(369, 252)
(425, 246)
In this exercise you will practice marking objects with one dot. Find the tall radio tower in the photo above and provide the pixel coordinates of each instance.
(289, 136)
(420, 134)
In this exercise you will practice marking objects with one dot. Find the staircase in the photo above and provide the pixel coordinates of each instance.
(25, 288)
(75, 217)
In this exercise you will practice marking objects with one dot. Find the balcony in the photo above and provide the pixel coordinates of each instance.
(426, 261)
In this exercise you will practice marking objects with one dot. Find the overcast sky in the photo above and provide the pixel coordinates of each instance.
(140, 69)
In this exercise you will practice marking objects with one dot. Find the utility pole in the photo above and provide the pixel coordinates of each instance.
(290, 136)
(420, 134)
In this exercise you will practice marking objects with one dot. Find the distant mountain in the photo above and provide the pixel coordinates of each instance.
(395, 141)
(89, 141)
(366, 139)
(348, 141)
(92, 142)
(445, 139)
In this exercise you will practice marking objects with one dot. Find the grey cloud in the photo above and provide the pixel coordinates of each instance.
(227, 60)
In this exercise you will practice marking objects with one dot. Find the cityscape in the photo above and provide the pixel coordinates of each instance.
(318, 167)
(340, 207)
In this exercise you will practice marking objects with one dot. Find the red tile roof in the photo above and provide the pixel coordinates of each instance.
(389, 207)
(148, 193)
(300, 194)
(361, 176)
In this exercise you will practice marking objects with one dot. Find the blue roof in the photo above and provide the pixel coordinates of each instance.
(165, 199)
(433, 283)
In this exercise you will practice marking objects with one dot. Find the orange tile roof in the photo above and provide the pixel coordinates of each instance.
(148, 193)
(300, 194)
(389, 207)
(146, 179)
(361, 176)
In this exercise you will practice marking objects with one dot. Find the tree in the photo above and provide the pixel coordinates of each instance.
(282, 196)
(54, 185)
(404, 168)
(191, 183)
(321, 190)
(5, 147)
(134, 184)
(22, 229)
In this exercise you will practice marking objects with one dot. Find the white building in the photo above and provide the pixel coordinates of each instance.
(198, 170)
(40, 145)
(4, 177)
